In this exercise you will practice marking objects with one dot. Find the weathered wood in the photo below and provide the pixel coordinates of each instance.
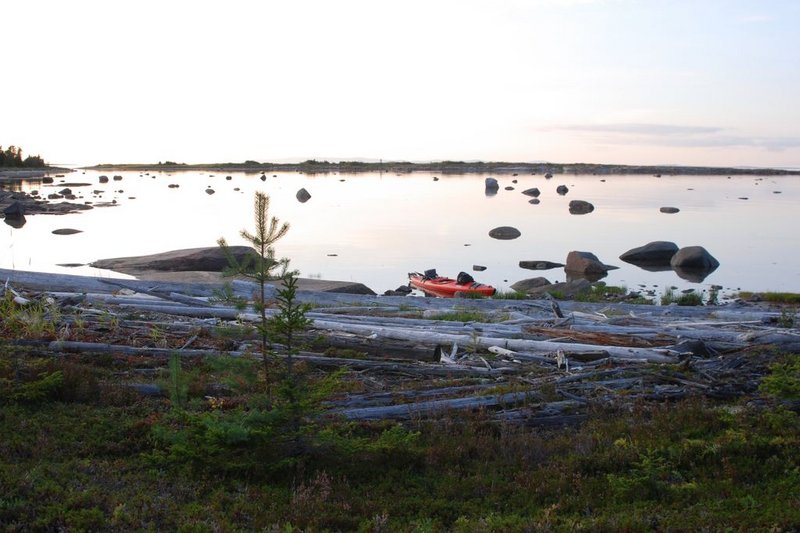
(379, 347)
(387, 398)
(520, 345)
(311, 358)
(97, 347)
(428, 408)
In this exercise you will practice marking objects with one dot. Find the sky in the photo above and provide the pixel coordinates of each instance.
(688, 82)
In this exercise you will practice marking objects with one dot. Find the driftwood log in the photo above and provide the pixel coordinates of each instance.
(526, 362)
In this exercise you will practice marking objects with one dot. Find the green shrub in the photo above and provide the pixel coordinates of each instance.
(784, 379)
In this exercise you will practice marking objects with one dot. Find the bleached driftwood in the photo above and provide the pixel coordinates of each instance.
(519, 345)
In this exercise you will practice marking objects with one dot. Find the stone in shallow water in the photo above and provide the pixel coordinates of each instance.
(66, 231)
(656, 253)
(669, 210)
(580, 207)
(303, 196)
(504, 233)
(539, 265)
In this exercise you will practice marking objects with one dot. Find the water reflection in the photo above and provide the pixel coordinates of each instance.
(374, 228)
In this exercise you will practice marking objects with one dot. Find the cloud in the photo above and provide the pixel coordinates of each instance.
(675, 135)
(643, 129)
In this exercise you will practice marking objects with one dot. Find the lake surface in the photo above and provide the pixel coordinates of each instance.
(375, 228)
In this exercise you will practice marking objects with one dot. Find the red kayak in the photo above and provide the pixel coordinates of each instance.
(434, 285)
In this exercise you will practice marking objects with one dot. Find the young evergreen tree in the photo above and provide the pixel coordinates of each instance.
(263, 267)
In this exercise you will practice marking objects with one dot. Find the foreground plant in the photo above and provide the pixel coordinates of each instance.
(261, 267)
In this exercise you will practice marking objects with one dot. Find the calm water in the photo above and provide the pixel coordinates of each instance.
(375, 228)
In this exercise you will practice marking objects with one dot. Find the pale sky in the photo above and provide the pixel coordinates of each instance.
(693, 82)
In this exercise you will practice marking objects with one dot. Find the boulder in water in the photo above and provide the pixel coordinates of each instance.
(504, 233)
(580, 207)
(656, 253)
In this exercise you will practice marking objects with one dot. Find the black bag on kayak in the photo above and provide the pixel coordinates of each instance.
(464, 278)
(430, 274)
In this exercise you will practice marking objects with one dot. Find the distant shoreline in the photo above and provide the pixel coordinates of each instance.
(15, 172)
(450, 167)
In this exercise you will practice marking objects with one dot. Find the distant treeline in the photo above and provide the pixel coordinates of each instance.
(455, 167)
(12, 157)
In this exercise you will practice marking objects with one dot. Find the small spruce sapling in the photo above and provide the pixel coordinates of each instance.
(263, 267)
(290, 319)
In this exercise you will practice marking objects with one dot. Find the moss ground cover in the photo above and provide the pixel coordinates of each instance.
(96, 457)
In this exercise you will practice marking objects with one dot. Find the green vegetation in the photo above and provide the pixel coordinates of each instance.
(510, 295)
(687, 299)
(12, 157)
(465, 315)
(264, 267)
(784, 379)
(771, 297)
(81, 452)
(600, 292)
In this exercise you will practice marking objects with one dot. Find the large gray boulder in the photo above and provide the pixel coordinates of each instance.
(585, 264)
(526, 285)
(656, 253)
(693, 263)
(303, 196)
(504, 233)
(491, 184)
(210, 259)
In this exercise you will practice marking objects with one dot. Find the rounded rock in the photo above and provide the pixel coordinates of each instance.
(504, 233)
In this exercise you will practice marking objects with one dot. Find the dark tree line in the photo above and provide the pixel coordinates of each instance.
(12, 157)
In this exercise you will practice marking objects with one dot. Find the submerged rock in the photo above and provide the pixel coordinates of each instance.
(532, 192)
(669, 210)
(504, 233)
(539, 265)
(580, 207)
(66, 231)
(478, 268)
(303, 196)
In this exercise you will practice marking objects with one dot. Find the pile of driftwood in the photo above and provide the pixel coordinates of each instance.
(536, 362)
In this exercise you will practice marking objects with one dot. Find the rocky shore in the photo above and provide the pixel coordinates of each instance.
(206, 265)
